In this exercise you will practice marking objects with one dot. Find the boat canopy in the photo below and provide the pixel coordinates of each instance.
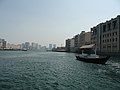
(88, 46)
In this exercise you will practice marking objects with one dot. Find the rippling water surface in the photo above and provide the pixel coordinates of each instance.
(35, 70)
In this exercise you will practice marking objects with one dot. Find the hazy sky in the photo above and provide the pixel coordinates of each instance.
(52, 21)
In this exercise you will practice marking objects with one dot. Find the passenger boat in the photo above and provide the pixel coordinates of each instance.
(24, 49)
(91, 58)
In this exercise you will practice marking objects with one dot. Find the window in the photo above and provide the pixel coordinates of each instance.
(104, 46)
(104, 28)
(110, 34)
(113, 33)
(109, 26)
(109, 46)
(105, 40)
(95, 31)
(116, 39)
(115, 24)
(114, 45)
(113, 39)
(105, 35)
(110, 40)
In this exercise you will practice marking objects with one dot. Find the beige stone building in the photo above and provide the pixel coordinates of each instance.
(106, 36)
(96, 36)
(76, 41)
(74, 44)
(84, 38)
(110, 35)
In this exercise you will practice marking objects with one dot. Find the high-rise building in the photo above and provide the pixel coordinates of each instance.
(76, 41)
(22, 46)
(67, 45)
(50, 46)
(27, 45)
(72, 44)
(34, 46)
(2, 44)
(54, 45)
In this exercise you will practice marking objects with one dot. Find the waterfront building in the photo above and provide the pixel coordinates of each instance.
(2, 44)
(84, 38)
(39, 46)
(67, 45)
(27, 45)
(96, 36)
(43, 48)
(50, 47)
(76, 41)
(34, 46)
(106, 36)
(110, 35)
(13, 46)
(54, 45)
(72, 45)
(22, 46)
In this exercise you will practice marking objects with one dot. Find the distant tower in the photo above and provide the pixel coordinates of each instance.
(54, 45)
(50, 46)
(34, 46)
(2, 44)
(27, 45)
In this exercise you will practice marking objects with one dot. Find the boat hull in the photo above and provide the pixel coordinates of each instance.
(100, 60)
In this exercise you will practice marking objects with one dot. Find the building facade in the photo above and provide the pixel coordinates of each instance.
(76, 42)
(2, 44)
(27, 45)
(96, 36)
(110, 35)
(72, 45)
(84, 38)
(67, 46)
(106, 36)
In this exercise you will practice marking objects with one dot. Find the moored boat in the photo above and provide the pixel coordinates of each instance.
(97, 60)
(91, 58)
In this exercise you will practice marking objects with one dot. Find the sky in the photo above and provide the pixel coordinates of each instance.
(52, 21)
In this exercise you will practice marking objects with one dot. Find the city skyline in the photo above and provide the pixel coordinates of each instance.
(52, 21)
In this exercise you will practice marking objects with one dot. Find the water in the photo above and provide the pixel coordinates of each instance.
(35, 70)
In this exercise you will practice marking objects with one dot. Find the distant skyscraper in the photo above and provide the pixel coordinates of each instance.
(50, 46)
(54, 45)
(23, 46)
(39, 46)
(27, 45)
(2, 44)
(34, 45)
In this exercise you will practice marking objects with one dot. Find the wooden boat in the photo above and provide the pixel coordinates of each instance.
(91, 58)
